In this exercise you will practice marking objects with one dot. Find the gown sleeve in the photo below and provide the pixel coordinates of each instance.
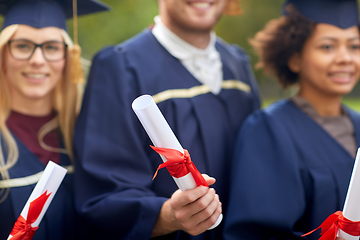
(113, 173)
(267, 196)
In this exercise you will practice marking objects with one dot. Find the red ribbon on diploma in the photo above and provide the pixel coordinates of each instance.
(179, 164)
(330, 227)
(22, 229)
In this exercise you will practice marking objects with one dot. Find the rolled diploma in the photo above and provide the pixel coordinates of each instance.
(352, 202)
(50, 182)
(161, 135)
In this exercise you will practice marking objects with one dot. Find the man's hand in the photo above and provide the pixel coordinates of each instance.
(193, 211)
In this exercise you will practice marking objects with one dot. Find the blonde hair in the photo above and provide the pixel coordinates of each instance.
(66, 101)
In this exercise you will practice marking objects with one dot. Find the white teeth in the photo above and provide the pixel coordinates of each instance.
(201, 5)
(341, 75)
(38, 76)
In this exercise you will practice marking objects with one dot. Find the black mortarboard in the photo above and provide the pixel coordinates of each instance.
(341, 13)
(45, 13)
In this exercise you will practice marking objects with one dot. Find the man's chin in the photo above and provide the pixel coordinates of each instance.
(202, 26)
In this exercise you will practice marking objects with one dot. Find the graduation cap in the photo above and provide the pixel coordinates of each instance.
(45, 13)
(340, 13)
(51, 13)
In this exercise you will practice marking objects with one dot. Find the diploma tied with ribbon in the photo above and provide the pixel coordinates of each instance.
(345, 224)
(351, 209)
(167, 145)
(38, 202)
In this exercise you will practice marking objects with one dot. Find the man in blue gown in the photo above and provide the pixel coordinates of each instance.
(204, 87)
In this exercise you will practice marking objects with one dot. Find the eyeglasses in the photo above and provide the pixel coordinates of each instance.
(23, 49)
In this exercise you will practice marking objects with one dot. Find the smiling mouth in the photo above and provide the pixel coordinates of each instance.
(35, 75)
(342, 77)
(201, 5)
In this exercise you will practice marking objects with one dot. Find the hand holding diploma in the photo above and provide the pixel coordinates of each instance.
(195, 208)
(181, 212)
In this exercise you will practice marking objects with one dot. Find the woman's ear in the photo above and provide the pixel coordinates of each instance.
(294, 63)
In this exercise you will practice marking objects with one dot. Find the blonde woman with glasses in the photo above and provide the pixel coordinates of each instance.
(39, 101)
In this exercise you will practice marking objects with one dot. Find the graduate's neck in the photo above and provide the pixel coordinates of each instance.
(199, 38)
(33, 107)
(326, 106)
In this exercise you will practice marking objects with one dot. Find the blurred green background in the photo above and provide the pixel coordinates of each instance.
(129, 17)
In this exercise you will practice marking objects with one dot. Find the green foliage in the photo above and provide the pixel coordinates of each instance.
(125, 19)
(241, 28)
(128, 17)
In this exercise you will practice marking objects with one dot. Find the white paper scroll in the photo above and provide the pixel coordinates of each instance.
(161, 135)
(352, 202)
(50, 182)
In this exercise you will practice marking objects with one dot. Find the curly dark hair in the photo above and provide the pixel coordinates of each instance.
(279, 41)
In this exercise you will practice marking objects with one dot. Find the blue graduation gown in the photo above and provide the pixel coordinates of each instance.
(59, 219)
(113, 180)
(289, 175)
